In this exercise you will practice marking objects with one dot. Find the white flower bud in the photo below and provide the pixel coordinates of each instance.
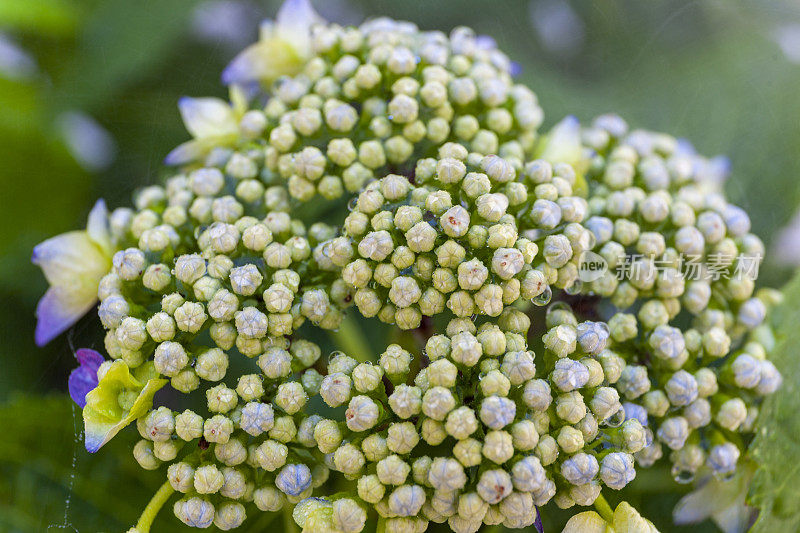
(681, 388)
(229, 515)
(569, 375)
(536, 395)
(673, 432)
(189, 425)
(406, 401)
(208, 479)
(190, 317)
(362, 413)
(291, 397)
(446, 474)
(293, 479)
(181, 477)
(218, 428)
(617, 470)
(497, 412)
(494, 485)
(723, 458)
(335, 389)
(194, 512)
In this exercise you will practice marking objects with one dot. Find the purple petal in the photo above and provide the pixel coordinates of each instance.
(53, 316)
(89, 358)
(84, 378)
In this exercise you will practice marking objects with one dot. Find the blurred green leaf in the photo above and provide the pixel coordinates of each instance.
(775, 489)
(122, 43)
(50, 17)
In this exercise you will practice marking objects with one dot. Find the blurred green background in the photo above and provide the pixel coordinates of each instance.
(88, 92)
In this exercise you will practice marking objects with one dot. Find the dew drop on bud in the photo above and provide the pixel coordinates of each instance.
(544, 297)
(351, 205)
(682, 476)
(575, 288)
(616, 419)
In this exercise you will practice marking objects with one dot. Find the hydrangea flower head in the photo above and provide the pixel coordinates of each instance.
(514, 381)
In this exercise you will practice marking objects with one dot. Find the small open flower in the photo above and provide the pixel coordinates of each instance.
(73, 263)
(625, 518)
(212, 122)
(107, 410)
(282, 49)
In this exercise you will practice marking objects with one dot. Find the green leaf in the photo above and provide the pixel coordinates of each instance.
(776, 486)
(49, 17)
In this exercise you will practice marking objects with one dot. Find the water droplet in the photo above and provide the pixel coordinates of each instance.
(575, 288)
(333, 355)
(725, 476)
(559, 306)
(544, 297)
(351, 204)
(616, 420)
(473, 318)
(682, 476)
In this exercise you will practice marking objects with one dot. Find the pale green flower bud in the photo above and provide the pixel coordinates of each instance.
(218, 429)
(494, 485)
(395, 360)
(189, 425)
(536, 395)
(291, 397)
(208, 479)
(190, 317)
(402, 437)
(570, 407)
(518, 367)
(268, 499)
(221, 399)
(170, 358)
(495, 383)
(181, 477)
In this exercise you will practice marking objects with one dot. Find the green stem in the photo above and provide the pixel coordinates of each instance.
(288, 521)
(604, 509)
(153, 507)
(351, 341)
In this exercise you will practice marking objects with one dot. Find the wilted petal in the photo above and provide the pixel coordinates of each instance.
(207, 117)
(60, 308)
(84, 378)
(103, 416)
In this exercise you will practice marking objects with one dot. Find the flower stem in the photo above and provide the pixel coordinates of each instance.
(351, 341)
(604, 509)
(288, 521)
(153, 507)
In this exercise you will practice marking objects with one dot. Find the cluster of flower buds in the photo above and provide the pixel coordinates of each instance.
(460, 218)
(451, 241)
(376, 98)
(681, 268)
